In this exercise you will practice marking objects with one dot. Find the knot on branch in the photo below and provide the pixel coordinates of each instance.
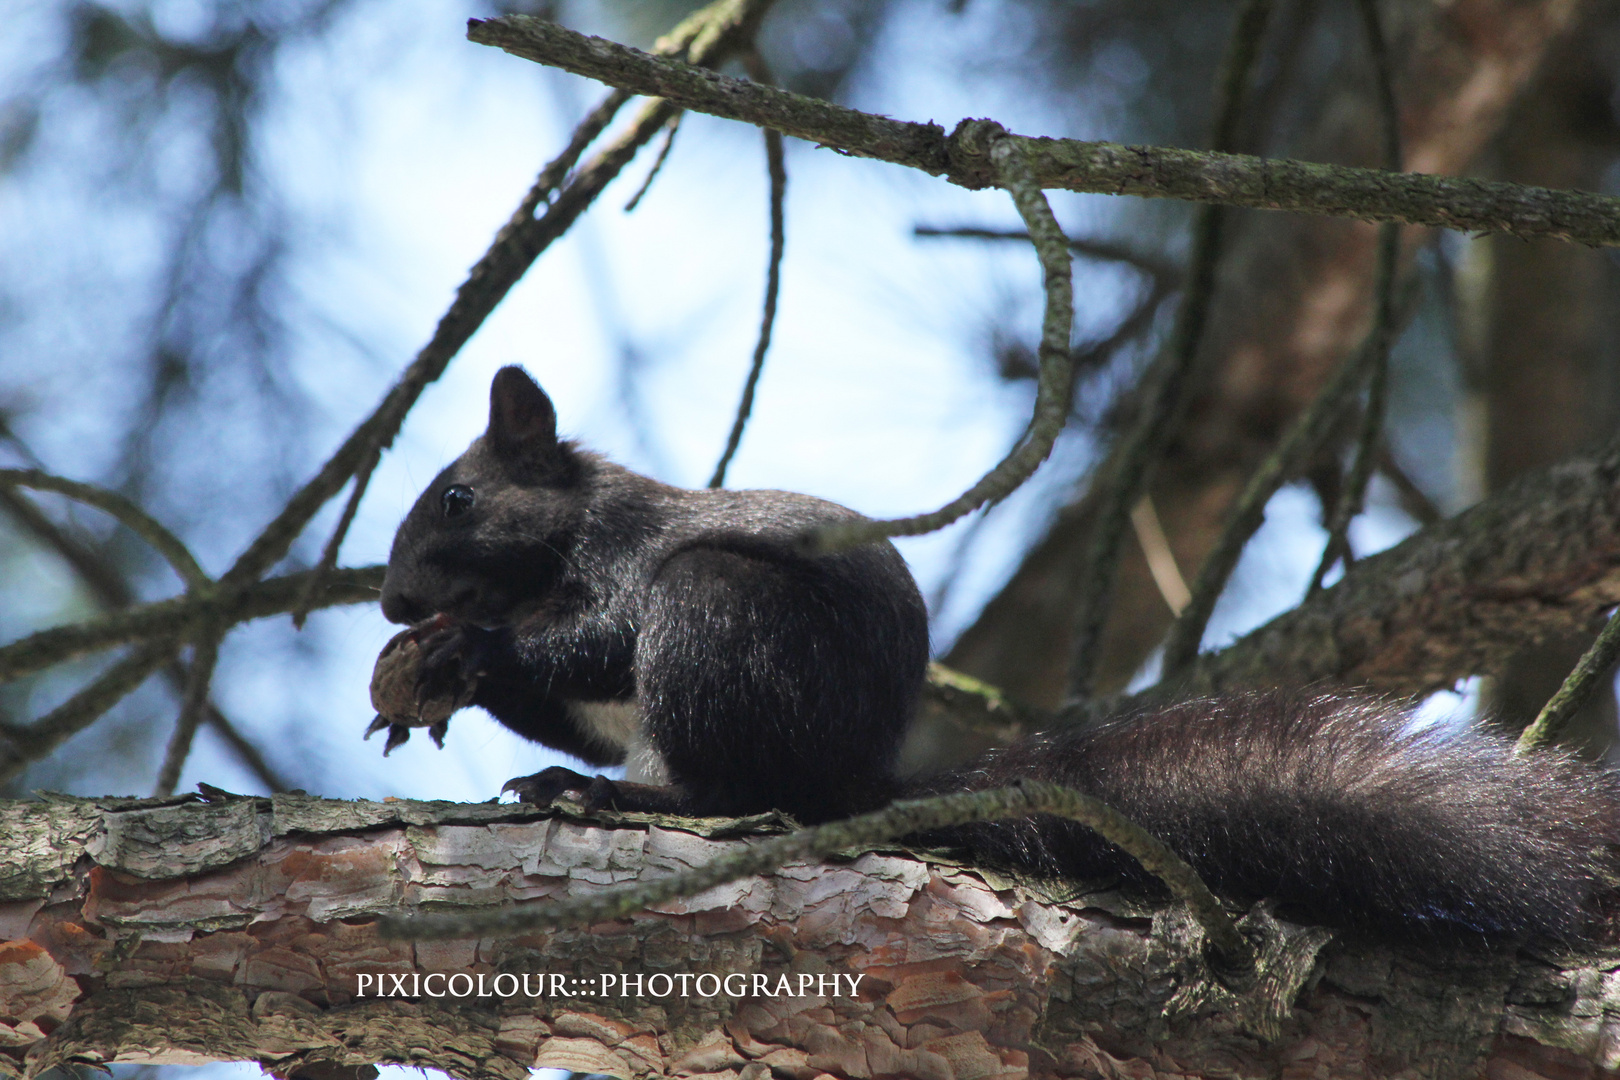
(968, 152)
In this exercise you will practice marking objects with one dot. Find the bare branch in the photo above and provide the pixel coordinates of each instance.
(22, 745)
(329, 554)
(1304, 436)
(1465, 204)
(1368, 439)
(1160, 559)
(205, 654)
(177, 617)
(1539, 559)
(129, 515)
(776, 166)
(670, 130)
(109, 588)
(1413, 499)
(1054, 391)
(1164, 388)
(246, 752)
(715, 31)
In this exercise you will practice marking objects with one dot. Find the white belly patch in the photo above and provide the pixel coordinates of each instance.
(616, 725)
(611, 723)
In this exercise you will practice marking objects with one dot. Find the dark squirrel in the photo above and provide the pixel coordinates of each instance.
(689, 636)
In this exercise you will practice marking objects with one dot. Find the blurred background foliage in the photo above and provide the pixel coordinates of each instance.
(182, 320)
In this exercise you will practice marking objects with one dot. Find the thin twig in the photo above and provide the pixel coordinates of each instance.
(132, 517)
(1126, 478)
(714, 32)
(104, 581)
(1091, 248)
(1160, 558)
(108, 588)
(670, 130)
(1354, 493)
(1414, 500)
(248, 754)
(204, 656)
(1085, 356)
(904, 818)
(697, 37)
(1307, 433)
(955, 563)
(1093, 354)
(21, 745)
(776, 165)
(329, 556)
(1588, 675)
(177, 616)
(1054, 390)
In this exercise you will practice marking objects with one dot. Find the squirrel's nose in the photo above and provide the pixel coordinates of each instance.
(401, 608)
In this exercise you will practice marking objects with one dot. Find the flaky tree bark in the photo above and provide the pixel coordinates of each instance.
(172, 931)
(1294, 299)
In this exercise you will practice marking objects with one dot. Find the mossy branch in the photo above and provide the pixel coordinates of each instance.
(1594, 664)
(1465, 204)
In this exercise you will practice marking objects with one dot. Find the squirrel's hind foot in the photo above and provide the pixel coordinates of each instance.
(596, 793)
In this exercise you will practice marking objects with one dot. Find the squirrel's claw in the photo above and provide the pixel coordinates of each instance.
(398, 735)
(544, 786)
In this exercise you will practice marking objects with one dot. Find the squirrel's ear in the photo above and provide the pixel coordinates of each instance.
(522, 420)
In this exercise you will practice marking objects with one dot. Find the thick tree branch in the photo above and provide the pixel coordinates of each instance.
(169, 931)
(1460, 598)
(1108, 168)
(1234, 957)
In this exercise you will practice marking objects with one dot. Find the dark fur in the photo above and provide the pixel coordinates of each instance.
(766, 678)
(1331, 805)
(770, 679)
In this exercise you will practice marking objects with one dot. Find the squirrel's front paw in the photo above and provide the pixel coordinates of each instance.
(423, 675)
(544, 786)
(451, 656)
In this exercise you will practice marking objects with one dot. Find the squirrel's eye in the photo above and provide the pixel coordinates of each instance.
(456, 500)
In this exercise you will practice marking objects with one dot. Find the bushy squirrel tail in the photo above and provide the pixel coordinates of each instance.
(1337, 808)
